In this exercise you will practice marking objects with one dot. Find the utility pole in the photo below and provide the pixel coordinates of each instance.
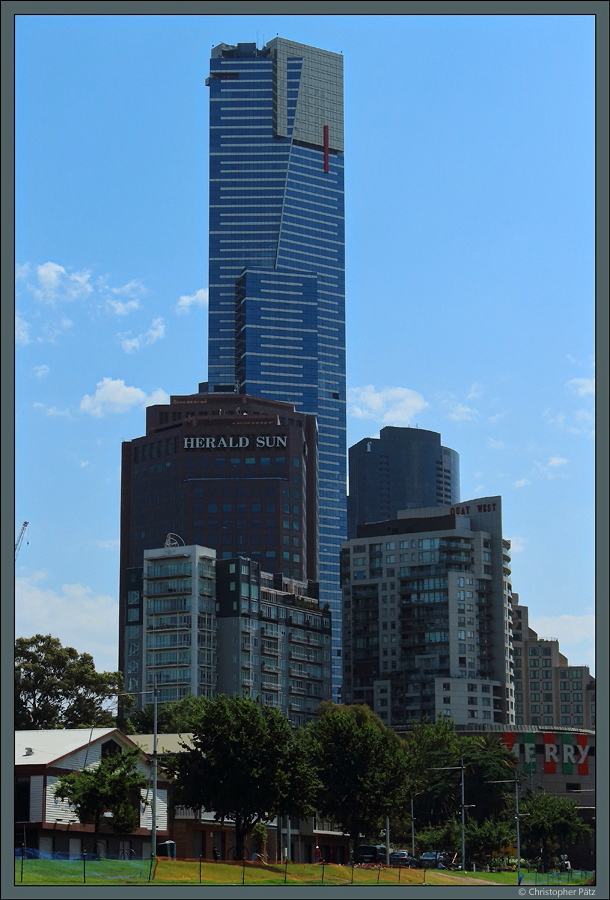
(153, 830)
(463, 822)
(463, 804)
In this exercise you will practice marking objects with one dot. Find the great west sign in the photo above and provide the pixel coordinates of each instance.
(235, 442)
(550, 753)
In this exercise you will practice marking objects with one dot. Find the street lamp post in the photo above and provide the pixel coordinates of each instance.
(463, 822)
(463, 805)
(153, 829)
(517, 818)
(412, 831)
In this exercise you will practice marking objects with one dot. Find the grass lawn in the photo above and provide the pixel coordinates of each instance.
(529, 878)
(183, 872)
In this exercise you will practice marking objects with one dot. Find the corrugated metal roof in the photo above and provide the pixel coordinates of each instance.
(49, 746)
(166, 743)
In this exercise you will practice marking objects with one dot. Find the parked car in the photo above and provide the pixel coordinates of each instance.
(402, 858)
(372, 854)
(431, 859)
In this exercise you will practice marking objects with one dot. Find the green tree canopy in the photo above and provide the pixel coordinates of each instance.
(58, 687)
(549, 823)
(112, 785)
(246, 765)
(362, 768)
(435, 754)
(172, 718)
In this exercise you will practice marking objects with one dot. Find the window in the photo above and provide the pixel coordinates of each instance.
(22, 799)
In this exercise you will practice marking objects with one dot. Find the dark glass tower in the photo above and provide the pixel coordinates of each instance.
(404, 468)
(277, 255)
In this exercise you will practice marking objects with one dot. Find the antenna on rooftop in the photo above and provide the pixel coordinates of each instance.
(19, 540)
(174, 540)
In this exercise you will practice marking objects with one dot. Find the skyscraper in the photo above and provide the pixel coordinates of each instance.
(224, 471)
(404, 468)
(277, 255)
(427, 615)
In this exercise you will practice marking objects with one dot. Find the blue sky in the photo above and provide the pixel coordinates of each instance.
(470, 276)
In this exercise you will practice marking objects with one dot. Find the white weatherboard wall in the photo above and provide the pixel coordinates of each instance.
(146, 811)
(36, 785)
(56, 809)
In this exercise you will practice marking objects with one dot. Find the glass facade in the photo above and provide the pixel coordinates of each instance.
(277, 255)
(404, 468)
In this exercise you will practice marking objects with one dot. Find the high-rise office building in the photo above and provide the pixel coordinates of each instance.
(201, 625)
(277, 255)
(548, 690)
(404, 468)
(234, 473)
(427, 616)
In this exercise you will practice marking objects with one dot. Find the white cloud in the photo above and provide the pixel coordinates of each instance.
(53, 330)
(554, 418)
(154, 334)
(517, 544)
(576, 635)
(22, 332)
(199, 298)
(582, 386)
(75, 614)
(552, 467)
(462, 413)
(114, 396)
(41, 371)
(475, 390)
(55, 283)
(133, 292)
(556, 461)
(84, 463)
(522, 482)
(123, 307)
(495, 445)
(388, 406)
(22, 271)
(112, 544)
(52, 411)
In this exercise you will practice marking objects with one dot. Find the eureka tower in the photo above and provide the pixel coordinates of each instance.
(277, 256)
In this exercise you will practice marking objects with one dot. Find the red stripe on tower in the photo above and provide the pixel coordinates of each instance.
(509, 738)
(325, 129)
(550, 754)
(583, 767)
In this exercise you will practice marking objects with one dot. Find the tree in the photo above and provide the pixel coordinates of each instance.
(485, 839)
(436, 790)
(549, 823)
(112, 785)
(489, 776)
(58, 687)
(172, 718)
(362, 768)
(436, 754)
(246, 765)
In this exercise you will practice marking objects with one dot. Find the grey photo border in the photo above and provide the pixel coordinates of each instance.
(597, 8)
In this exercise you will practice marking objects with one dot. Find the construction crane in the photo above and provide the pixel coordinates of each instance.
(19, 540)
